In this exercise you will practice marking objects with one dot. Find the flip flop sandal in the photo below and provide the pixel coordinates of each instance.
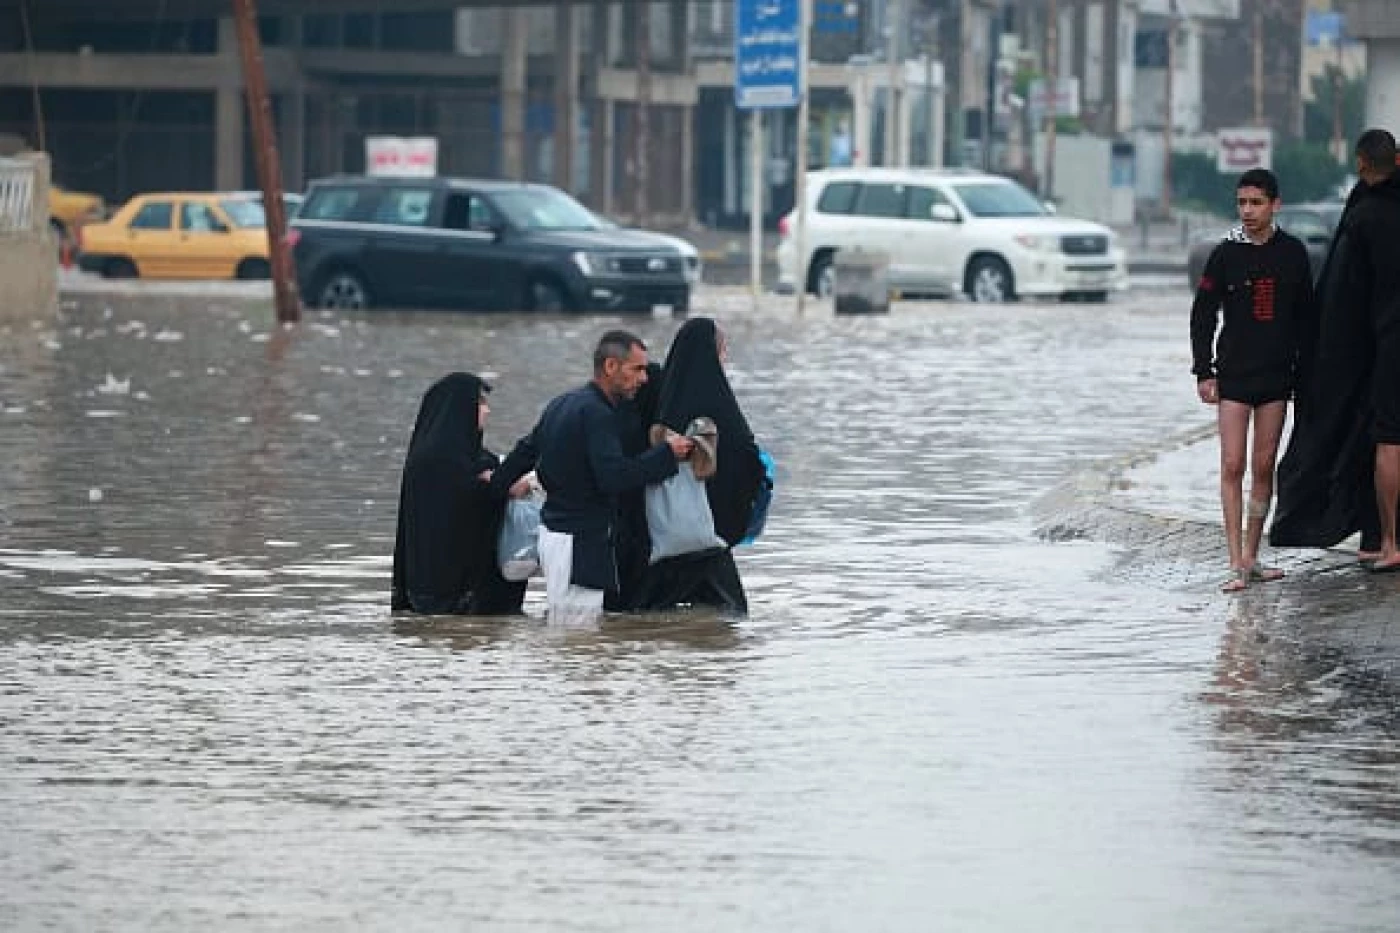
(1238, 581)
(1263, 573)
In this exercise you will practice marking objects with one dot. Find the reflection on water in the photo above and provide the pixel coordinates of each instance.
(930, 720)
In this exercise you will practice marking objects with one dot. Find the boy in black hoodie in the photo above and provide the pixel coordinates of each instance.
(1262, 280)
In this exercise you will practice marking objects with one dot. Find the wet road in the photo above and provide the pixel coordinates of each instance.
(933, 719)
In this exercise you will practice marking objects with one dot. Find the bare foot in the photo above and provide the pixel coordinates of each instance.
(1239, 580)
(1389, 562)
(1262, 573)
(1367, 556)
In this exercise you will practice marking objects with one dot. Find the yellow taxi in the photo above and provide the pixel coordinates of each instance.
(70, 210)
(180, 236)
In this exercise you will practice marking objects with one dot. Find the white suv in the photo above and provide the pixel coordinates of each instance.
(950, 230)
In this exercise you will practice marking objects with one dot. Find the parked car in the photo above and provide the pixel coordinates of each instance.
(180, 235)
(693, 266)
(70, 210)
(363, 242)
(947, 231)
(1314, 224)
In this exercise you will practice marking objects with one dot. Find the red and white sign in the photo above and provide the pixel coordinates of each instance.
(405, 157)
(1244, 148)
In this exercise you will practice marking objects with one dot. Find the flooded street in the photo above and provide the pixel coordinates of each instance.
(933, 718)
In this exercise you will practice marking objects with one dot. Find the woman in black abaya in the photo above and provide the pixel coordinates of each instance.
(693, 384)
(445, 546)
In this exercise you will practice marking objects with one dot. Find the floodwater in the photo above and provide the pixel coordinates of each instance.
(932, 718)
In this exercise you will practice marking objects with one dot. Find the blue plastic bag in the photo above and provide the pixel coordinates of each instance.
(764, 499)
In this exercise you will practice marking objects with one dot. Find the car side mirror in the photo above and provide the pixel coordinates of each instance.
(945, 213)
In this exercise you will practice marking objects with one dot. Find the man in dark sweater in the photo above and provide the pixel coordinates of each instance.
(575, 451)
(1260, 277)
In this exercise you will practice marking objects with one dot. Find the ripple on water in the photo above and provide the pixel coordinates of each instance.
(210, 717)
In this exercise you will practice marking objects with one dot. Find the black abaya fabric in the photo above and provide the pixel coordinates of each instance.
(1325, 485)
(693, 384)
(448, 523)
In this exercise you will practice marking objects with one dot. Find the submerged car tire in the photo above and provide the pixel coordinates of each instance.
(821, 277)
(120, 267)
(989, 280)
(253, 268)
(342, 290)
(545, 296)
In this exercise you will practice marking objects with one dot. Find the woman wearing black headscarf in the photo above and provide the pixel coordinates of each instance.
(693, 384)
(445, 546)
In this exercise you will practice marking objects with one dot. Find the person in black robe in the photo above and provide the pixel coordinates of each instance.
(449, 520)
(1326, 488)
(693, 384)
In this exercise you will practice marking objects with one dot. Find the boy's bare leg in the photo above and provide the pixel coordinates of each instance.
(1268, 429)
(1387, 500)
(1234, 436)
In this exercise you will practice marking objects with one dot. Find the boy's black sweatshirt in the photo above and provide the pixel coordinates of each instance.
(1267, 292)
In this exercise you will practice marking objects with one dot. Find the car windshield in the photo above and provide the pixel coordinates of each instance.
(243, 213)
(999, 199)
(544, 209)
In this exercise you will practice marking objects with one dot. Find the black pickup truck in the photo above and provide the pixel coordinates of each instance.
(362, 242)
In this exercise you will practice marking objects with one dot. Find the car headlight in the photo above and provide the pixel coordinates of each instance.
(1042, 243)
(584, 262)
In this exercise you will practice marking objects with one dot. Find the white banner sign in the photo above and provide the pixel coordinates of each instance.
(410, 157)
(1244, 148)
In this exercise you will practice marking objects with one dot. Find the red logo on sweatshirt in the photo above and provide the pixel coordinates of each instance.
(1263, 299)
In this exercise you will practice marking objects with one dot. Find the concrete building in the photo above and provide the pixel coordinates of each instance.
(1377, 24)
(144, 95)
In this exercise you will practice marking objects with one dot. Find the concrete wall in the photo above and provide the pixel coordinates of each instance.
(28, 263)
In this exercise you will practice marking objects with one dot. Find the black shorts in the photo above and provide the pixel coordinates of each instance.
(1256, 390)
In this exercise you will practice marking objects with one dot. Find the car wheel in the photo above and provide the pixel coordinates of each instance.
(546, 297)
(343, 291)
(989, 280)
(1096, 298)
(821, 277)
(254, 269)
(120, 269)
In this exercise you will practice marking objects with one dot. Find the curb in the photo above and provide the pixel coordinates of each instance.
(1326, 601)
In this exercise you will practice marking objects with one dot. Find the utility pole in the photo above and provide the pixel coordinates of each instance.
(1111, 53)
(1258, 63)
(284, 286)
(1169, 118)
(642, 124)
(804, 104)
(892, 27)
(1052, 95)
(934, 137)
(1339, 151)
(990, 121)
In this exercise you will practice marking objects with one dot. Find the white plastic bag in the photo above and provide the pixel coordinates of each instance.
(517, 549)
(679, 517)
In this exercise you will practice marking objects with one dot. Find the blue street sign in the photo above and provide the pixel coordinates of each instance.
(767, 49)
